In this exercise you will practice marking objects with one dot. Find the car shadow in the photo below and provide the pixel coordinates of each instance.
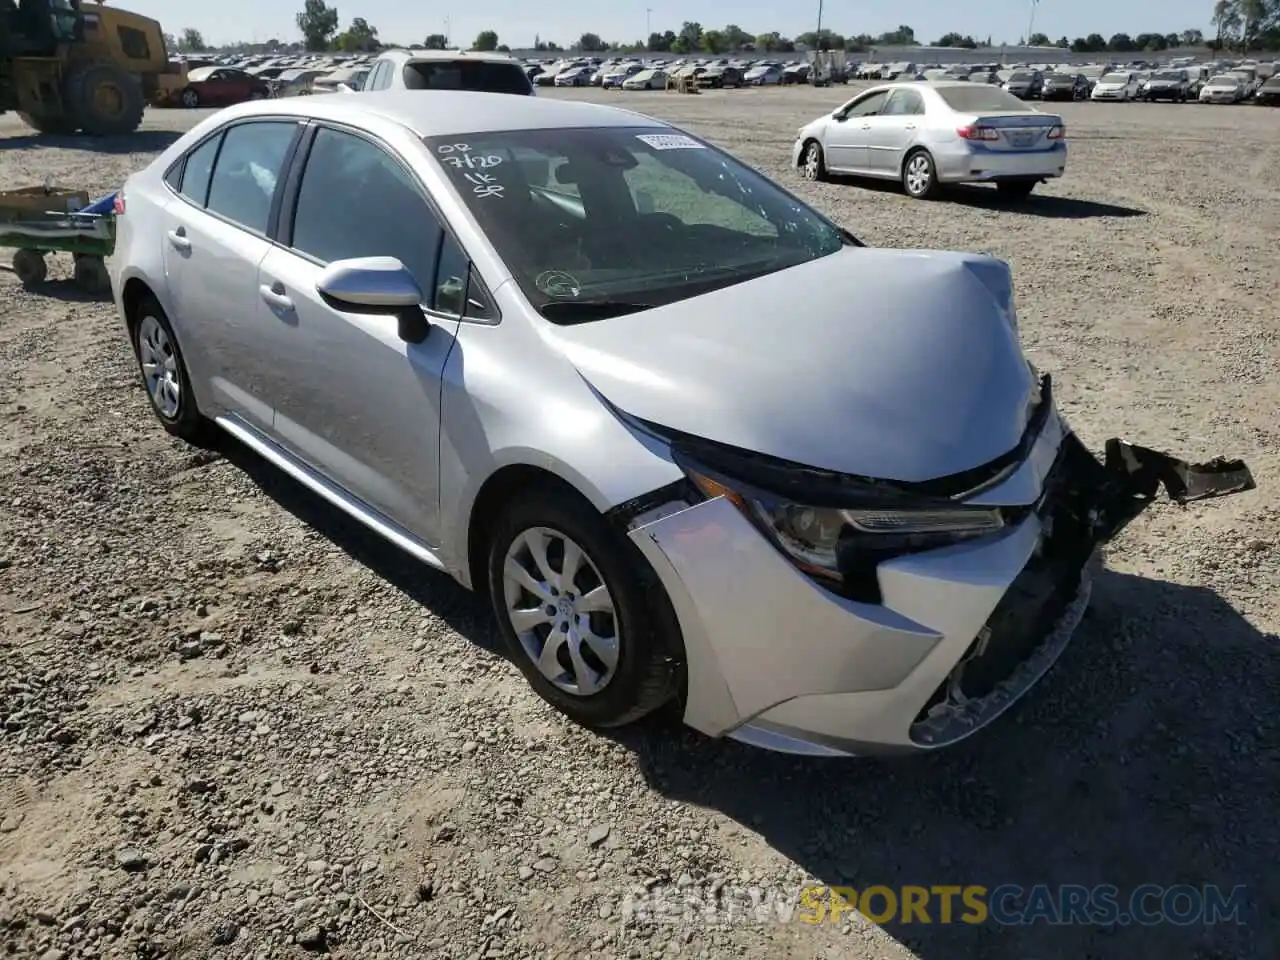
(458, 607)
(66, 290)
(985, 197)
(1146, 756)
(141, 141)
(1037, 205)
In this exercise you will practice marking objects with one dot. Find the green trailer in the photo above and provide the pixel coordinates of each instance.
(48, 219)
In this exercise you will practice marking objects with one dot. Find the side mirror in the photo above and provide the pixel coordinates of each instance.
(376, 285)
(840, 116)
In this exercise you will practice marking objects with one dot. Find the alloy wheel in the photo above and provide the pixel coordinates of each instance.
(812, 162)
(159, 367)
(561, 611)
(919, 173)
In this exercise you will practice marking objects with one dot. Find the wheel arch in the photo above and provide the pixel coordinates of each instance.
(134, 292)
(499, 489)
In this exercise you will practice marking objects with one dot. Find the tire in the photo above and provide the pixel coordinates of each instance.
(56, 126)
(190, 98)
(103, 100)
(813, 166)
(919, 175)
(1015, 189)
(647, 652)
(91, 275)
(183, 419)
(30, 267)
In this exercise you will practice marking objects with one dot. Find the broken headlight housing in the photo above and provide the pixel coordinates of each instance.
(840, 536)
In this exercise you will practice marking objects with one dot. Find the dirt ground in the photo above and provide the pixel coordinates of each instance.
(232, 725)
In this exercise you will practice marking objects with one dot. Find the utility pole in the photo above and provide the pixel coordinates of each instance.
(818, 35)
(648, 24)
(1032, 25)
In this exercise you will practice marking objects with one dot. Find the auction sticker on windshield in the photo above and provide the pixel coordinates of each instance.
(669, 141)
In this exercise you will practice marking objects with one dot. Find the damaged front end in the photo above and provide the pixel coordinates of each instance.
(1085, 503)
(888, 616)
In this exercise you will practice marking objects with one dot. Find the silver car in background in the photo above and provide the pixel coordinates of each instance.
(927, 135)
(554, 350)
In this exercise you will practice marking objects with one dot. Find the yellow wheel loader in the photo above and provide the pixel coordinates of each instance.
(67, 66)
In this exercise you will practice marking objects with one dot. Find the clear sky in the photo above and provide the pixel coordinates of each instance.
(518, 21)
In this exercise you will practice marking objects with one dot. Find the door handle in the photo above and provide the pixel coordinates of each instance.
(910, 126)
(179, 239)
(274, 296)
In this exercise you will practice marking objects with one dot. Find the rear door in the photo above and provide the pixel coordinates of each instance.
(894, 131)
(213, 243)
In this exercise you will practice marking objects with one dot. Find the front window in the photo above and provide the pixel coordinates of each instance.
(601, 221)
(1115, 78)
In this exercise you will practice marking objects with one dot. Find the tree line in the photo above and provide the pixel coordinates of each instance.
(1238, 24)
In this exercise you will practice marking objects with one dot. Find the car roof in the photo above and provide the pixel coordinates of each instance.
(414, 56)
(449, 112)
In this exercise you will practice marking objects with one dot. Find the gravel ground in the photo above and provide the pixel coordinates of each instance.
(234, 726)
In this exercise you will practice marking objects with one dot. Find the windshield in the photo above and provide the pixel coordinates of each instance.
(1020, 77)
(1223, 81)
(599, 221)
(980, 99)
(1115, 78)
(1060, 77)
(478, 75)
(1169, 75)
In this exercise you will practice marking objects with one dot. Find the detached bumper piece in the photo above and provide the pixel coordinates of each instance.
(1086, 502)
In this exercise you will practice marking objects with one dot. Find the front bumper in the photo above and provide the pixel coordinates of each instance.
(775, 660)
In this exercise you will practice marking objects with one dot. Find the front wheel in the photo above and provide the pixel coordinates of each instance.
(190, 98)
(919, 178)
(590, 631)
(812, 164)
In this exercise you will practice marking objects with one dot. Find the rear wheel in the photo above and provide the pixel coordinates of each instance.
(164, 374)
(104, 100)
(919, 178)
(587, 627)
(190, 98)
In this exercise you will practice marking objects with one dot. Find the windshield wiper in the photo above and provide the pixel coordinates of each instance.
(584, 311)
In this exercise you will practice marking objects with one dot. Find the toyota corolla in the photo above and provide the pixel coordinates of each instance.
(557, 351)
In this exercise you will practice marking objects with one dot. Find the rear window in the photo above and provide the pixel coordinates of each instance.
(980, 99)
(480, 76)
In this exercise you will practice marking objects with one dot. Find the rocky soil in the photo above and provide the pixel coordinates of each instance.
(231, 725)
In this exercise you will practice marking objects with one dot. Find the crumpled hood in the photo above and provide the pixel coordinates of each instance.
(896, 364)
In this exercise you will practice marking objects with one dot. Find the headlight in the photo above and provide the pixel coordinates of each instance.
(844, 544)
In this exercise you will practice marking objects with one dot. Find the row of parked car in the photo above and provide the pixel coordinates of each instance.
(637, 74)
(1174, 84)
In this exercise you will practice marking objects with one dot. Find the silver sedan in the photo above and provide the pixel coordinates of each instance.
(553, 350)
(930, 134)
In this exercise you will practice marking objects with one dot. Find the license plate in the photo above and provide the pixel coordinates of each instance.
(1023, 138)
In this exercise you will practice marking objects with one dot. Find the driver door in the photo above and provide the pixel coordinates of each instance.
(848, 133)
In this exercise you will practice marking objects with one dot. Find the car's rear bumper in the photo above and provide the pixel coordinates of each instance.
(969, 164)
(776, 660)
